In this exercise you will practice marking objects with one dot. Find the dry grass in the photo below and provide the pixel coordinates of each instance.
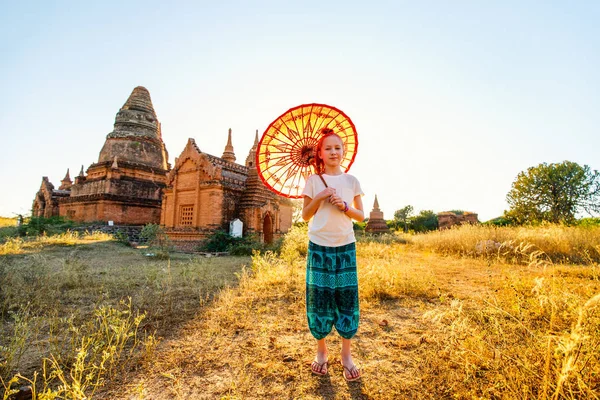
(5, 221)
(56, 292)
(568, 244)
(432, 327)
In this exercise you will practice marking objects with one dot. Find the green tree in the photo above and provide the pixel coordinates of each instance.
(402, 216)
(425, 221)
(554, 193)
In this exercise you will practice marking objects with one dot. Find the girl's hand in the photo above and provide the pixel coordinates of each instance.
(337, 201)
(328, 192)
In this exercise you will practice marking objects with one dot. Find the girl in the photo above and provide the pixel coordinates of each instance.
(332, 199)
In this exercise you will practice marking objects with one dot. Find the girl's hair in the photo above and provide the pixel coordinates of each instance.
(318, 161)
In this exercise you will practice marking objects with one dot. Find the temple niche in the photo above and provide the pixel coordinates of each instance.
(376, 223)
(133, 184)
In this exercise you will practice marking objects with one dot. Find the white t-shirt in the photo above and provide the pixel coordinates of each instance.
(330, 226)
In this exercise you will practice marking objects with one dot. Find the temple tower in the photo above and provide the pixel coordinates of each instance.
(125, 185)
(376, 223)
(136, 137)
(228, 154)
(66, 183)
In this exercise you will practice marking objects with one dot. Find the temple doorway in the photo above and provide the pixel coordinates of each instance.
(268, 229)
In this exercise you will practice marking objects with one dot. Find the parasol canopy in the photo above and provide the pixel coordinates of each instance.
(284, 157)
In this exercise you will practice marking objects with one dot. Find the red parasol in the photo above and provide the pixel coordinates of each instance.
(286, 149)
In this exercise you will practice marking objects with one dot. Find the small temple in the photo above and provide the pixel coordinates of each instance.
(376, 223)
(133, 184)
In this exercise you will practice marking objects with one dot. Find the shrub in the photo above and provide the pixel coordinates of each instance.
(220, 241)
(156, 238)
(295, 244)
(36, 226)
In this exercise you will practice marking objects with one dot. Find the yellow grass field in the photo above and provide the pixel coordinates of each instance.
(5, 221)
(440, 319)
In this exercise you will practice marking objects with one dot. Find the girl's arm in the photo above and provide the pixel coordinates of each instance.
(312, 205)
(355, 211)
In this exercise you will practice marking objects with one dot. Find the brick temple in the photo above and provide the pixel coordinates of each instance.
(376, 223)
(133, 184)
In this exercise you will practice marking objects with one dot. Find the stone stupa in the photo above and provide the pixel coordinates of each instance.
(125, 185)
(376, 223)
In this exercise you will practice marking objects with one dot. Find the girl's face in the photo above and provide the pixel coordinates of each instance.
(332, 151)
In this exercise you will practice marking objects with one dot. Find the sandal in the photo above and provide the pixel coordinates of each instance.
(319, 369)
(351, 371)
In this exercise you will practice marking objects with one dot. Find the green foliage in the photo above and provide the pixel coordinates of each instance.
(221, 241)
(425, 221)
(588, 222)
(122, 238)
(499, 221)
(553, 193)
(8, 232)
(35, 226)
(402, 217)
(359, 226)
(157, 240)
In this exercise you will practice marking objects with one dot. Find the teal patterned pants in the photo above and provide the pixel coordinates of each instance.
(332, 290)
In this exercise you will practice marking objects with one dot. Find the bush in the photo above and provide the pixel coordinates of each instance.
(36, 226)
(359, 226)
(295, 244)
(220, 242)
(157, 240)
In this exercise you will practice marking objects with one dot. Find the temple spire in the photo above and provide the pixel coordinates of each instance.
(376, 204)
(228, 154)
(139, 100)
(250, 160)
(66, 183)
(81, 177)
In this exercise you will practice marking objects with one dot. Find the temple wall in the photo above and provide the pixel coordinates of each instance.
(107, 210)
(285, 217)
(141, 151)
(102, 171)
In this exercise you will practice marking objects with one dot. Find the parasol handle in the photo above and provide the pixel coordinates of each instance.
(323, 180)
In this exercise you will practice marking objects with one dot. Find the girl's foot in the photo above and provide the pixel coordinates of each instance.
(351, 373)
(320, 364)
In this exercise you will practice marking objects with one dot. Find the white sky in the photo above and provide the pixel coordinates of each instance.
(451, 100)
